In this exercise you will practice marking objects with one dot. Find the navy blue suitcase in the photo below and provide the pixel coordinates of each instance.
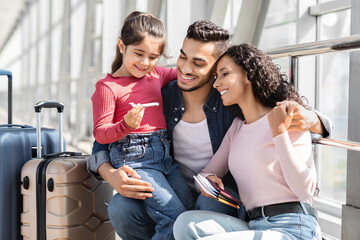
(17, 146)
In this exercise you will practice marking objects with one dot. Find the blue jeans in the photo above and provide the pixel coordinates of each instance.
(208, 225)
(149, 155)
(131, 221)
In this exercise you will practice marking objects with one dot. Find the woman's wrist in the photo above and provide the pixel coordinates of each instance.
(279, 130)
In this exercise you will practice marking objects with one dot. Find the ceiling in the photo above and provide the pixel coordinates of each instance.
(9, 12)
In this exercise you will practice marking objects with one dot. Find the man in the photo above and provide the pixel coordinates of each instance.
(197, 122)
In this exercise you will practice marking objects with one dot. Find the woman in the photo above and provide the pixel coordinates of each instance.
(280, 177)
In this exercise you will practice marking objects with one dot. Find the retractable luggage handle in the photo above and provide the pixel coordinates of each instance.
(38, 107)
(9, 75)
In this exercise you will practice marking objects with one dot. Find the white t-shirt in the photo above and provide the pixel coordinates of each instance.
(192, 148)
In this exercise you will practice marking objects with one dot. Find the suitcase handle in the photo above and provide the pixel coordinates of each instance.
(48, 104)
(62, 154)
(9, 75)
(15, 125)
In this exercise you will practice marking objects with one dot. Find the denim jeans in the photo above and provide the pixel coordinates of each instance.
(208, 225)
(131, 221)
(211, 204)
(149, 155)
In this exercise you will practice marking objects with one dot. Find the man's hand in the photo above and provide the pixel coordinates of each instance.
(120, 180)
(280, 118)
(134, 116)
(304, 119)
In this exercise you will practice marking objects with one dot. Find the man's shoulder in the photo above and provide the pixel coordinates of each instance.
(172, 99)
(173, 84)
(170, 88)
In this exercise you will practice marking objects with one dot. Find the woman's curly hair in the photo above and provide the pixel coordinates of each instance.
(268, 84)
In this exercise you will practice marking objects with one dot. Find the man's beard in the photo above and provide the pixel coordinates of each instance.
(196, 87)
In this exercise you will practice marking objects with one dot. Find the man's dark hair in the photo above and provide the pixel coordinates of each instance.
(206, 31)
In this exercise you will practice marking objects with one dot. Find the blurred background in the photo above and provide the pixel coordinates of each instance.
(58, 50)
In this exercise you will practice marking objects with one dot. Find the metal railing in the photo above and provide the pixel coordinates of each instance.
(351, 43)
(338, 143)
(305, 49)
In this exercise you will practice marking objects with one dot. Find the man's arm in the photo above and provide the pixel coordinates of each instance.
(100, 155)
(318, 124)
(326, 125)
(124, 180)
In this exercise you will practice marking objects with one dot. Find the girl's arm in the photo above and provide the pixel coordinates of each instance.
(166, 75)
(294, 150)
(105, 131)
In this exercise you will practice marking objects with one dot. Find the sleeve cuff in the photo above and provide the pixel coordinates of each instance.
(328, 125)
(93, 162)
(207, 174)
(281, 138)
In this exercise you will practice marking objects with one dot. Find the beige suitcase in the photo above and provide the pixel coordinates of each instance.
(61, 200)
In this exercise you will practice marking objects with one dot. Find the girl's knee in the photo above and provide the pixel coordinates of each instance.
(122, 208)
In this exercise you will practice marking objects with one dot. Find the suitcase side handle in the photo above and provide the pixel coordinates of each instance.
(48, 104)
(15, 125)
(9, 75)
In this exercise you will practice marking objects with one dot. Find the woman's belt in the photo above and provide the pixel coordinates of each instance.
(281, 208)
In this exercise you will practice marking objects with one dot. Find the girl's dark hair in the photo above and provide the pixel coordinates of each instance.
(268, 84)
(136, 26)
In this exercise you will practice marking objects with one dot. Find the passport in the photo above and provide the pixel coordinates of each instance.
(214, 190)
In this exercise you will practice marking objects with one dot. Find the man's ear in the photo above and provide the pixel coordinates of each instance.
(121, 46)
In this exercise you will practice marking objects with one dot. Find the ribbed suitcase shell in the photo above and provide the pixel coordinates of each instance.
(76, 208)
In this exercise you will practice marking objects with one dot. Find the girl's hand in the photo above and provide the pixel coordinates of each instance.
(134, 116)
(280, 117)
(216, 180)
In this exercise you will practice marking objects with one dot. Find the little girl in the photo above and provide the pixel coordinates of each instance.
(128, 113)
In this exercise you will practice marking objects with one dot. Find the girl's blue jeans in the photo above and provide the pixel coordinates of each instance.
(149, 155)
